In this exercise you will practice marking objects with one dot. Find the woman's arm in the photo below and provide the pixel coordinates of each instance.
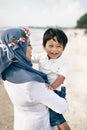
(40, 93)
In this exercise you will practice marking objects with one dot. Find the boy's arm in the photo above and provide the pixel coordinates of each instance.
(58, 82)
(62, 72)
(35, 58)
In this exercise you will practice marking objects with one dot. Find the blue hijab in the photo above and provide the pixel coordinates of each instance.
(20, 70)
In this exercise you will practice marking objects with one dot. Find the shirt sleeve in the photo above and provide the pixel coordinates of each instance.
(40, 93)
(36, 57)
(63, 70)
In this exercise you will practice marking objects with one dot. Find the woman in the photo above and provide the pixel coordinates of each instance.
(26, 86)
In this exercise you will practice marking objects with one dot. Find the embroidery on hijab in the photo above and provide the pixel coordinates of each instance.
(14, 41)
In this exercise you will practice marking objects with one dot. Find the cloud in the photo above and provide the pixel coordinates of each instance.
(41, 13)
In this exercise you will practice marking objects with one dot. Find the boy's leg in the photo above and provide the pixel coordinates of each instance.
(56, 118)
(61, 122)
(64, 126)
(61, 93)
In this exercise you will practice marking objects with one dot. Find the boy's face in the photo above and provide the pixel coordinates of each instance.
(54, 49)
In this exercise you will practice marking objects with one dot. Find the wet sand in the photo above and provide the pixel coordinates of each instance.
(76, 52)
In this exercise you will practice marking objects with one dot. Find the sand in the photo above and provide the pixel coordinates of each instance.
(76, 52)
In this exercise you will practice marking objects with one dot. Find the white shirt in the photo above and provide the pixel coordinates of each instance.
(31, 101)
(51, 67)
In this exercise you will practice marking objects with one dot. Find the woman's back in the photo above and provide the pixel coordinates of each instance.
(30, 102)
(29, 113)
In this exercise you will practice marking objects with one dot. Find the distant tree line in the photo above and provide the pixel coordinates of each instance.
(82, 21)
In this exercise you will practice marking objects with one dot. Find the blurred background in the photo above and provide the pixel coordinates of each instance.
(69, 15)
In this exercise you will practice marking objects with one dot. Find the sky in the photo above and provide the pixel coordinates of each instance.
(63, 13)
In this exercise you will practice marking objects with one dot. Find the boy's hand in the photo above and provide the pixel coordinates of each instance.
(49, 86)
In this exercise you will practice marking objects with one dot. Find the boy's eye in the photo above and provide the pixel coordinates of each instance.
(50, 45)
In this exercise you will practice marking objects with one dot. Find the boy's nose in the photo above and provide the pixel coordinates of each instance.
(54, 48)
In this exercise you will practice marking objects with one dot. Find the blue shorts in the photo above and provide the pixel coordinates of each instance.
(56, 118)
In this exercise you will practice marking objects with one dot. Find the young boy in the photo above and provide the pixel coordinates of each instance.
(55, 66)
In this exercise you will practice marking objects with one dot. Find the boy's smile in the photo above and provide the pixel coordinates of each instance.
(54, 49)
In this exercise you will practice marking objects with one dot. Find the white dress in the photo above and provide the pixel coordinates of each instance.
(30, 102)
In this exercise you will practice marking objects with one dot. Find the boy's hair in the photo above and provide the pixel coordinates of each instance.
(51, 33)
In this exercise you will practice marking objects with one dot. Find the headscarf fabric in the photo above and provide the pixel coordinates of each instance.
(20, 70)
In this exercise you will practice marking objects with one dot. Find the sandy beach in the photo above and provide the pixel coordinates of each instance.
(76, 53)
